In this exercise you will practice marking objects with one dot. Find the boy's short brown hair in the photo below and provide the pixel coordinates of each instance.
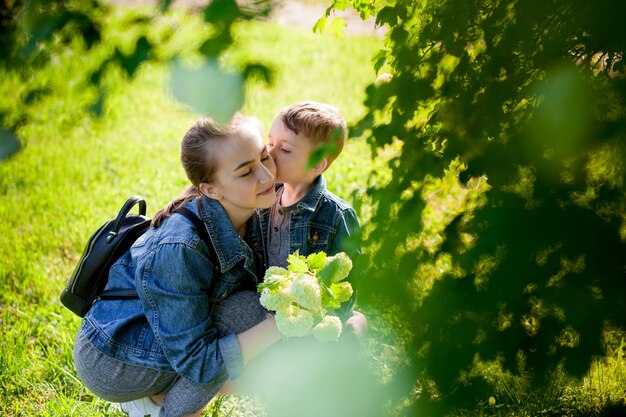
(319, 122)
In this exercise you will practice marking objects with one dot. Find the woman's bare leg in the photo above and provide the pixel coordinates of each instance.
(158, 399)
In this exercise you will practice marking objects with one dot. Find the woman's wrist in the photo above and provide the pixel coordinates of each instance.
(271, 319)
(258, 338)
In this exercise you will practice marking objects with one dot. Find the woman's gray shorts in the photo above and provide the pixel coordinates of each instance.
(117, 381)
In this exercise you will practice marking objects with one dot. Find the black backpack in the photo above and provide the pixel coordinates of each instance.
(104, 247)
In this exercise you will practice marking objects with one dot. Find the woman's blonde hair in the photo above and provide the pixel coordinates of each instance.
(197, 155)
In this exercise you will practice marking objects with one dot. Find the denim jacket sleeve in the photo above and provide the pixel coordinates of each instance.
(347, 240)
(348, 233)
(173, 284)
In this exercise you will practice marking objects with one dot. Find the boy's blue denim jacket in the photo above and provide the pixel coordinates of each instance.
(170, 327)
(321, 221)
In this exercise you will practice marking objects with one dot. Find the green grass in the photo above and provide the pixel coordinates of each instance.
(75, 171)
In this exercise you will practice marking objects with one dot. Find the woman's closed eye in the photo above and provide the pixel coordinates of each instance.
(265, 157)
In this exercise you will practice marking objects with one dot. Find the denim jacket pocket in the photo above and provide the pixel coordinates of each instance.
(318, 237)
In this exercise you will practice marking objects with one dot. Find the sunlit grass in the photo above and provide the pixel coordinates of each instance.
(75, 171)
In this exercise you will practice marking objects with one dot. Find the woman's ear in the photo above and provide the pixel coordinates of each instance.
(210, 191)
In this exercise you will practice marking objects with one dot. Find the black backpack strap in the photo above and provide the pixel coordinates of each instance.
(130, 294)
(130, 203)
(119, 294)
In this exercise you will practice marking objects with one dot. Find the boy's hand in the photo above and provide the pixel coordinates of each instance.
(357, 324)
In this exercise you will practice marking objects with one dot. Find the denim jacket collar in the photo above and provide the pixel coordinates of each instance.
(229, 246)
(313, 197)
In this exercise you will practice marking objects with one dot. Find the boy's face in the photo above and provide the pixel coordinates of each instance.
(290, 153)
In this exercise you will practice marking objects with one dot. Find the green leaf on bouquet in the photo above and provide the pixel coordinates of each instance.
(272, 286)
(327, 274)
(328, 298)
(297, 263)
(316, 261)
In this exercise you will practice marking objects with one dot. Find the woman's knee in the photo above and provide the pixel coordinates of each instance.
(114, 380)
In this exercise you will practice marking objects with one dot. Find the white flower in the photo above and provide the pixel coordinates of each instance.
(273, 279)
(306, 291)
(342, 291)
(275, 270)
(340, 265)
(302, 294)
(272, 282)
(294, 321)
(328, 330)
(277, 300)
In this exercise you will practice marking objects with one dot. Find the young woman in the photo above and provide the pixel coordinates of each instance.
(167, 347)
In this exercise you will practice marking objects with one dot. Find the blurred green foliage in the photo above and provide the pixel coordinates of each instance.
(503, 125)
(528, 96)
(33, 32)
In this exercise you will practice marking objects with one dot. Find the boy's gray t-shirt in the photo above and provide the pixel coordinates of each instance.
(278, 236)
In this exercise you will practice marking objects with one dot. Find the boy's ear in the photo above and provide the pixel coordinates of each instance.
(320, 167)
(210, 191)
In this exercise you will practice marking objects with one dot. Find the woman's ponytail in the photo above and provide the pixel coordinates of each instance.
(189, 194)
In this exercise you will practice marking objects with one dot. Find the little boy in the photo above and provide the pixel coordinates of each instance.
(306, 216)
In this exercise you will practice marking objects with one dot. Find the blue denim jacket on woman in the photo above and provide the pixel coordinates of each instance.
(170, 327)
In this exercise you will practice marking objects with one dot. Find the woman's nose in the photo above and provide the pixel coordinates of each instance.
(266, 174)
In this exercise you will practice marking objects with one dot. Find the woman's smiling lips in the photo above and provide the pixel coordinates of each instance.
(269, 190)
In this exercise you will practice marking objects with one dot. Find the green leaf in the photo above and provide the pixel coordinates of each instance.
(320, 25)
(271, 286)
(142, 53)
(320, 152)
(326, 274)
(207, 88)
(222, 12)
(379, 59)
(340, 4)
(336, 27)
(297, 263)
(316, 261)
(215, 45)
(329, 301)
(387, 15)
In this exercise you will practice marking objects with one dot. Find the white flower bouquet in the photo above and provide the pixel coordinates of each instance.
(306, 294)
